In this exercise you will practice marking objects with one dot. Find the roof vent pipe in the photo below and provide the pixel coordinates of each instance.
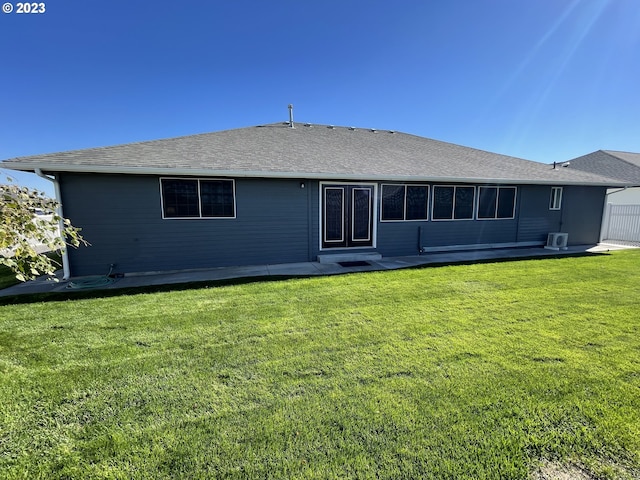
(291, 116)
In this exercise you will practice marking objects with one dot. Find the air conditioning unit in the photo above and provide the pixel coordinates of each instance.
(557, 241)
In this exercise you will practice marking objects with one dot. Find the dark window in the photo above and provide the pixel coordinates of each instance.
(464, 203)
(507, 203)
(180, 198)
(487, 201)
(496, 202)
(453, 202)
(187, 198)
(404, 202)
(443, 203)
(217, 198)
(392, 202)
(417, 199)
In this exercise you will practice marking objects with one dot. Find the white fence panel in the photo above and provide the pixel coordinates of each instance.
(622, 222)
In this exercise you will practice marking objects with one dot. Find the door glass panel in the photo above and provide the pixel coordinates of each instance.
(333, 214)
(361, 218)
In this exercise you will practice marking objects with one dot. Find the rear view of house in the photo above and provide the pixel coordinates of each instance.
(283, 193)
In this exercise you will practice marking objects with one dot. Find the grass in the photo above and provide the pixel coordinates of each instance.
(472, 371)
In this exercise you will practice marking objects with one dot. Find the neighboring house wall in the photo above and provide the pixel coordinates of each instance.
(278, 221)
(630, 196)
(622, 216)
(621, 223)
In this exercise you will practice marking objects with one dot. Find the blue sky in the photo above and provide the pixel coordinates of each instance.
(545, 80)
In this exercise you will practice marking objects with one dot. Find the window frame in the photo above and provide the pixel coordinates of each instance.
(404, 205)
(556, 198)
(495, 213)
(453, 206)
(198, 180)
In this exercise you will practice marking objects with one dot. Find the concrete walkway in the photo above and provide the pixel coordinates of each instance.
(305, 269)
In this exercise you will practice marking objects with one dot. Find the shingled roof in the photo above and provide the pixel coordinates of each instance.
(624, 166)
(309, 151)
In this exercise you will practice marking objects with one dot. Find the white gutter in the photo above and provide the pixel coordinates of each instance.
(65, 256)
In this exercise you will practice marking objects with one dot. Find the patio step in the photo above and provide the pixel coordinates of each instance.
(349, 257)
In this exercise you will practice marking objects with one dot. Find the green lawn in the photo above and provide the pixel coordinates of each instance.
(471, 371)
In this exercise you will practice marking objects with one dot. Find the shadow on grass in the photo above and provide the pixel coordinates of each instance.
(178, 287)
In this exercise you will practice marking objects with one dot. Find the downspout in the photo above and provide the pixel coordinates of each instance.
(606, 211)
(66, 272)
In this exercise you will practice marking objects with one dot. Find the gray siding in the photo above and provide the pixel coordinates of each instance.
(404, 238)
(535, 218)
(122, 219)
(277, 221)
(580, 215)
(582, 209)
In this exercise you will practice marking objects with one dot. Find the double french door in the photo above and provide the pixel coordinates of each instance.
(347, 215)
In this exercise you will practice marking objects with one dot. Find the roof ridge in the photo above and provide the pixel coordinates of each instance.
(610, 153)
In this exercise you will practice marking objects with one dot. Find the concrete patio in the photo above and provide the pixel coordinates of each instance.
(304, 269)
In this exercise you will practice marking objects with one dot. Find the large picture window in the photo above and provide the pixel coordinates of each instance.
(197, 198)
(404, 202)
(496, 203)
(453, 202)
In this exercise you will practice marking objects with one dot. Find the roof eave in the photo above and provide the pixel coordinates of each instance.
(168, 171)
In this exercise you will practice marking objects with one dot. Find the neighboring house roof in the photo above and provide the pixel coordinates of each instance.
(309, 151)
(623, 166)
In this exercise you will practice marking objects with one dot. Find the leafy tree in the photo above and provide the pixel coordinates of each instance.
(29, 219)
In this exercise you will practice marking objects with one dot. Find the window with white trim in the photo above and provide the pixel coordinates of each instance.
(555, 202)
(404, 202)
(197, 198)
(453, 202)
(496, 203)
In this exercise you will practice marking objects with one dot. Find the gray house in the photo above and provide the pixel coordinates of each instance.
(624, 166)
(284, 193)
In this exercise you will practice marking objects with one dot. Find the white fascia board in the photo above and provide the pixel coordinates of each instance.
(167, 171)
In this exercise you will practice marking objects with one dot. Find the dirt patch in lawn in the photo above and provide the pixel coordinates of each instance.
(555, 471)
